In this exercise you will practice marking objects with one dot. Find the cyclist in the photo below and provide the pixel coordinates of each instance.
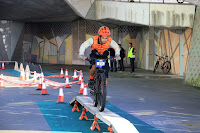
(99, 45)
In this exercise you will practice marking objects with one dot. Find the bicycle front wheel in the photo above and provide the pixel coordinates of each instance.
(166, 67)
(101, 95)
(156, 66)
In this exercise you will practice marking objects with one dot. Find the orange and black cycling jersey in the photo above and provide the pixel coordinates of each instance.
(100, 48)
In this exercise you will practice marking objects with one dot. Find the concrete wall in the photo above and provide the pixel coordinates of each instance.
(171, 15)
(161, 41)
(78, 35)
(48, 43)
(193, 70)
(195, 2)
(134, 13)
(10, 36)
(147, 14)
(16, 32)
(81, 7)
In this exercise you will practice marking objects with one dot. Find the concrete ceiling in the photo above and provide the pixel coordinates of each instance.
(37, 11)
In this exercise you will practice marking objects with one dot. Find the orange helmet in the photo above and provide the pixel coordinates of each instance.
(104, 31)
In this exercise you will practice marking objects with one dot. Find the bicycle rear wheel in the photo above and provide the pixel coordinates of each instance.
(166, 67)
(101, 89)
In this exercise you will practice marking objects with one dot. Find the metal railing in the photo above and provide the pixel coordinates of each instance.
(152, 1)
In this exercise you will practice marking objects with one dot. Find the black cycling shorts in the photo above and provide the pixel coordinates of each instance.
(106, 67)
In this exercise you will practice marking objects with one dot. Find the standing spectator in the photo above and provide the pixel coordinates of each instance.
(131, 55)
(112, 61)
(122, 55)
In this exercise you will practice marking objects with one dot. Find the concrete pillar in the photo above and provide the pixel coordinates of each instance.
(78, 37)
(115, 34)
(151, 48)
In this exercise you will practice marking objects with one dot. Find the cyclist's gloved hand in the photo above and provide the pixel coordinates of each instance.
(118, 57)
(82, 57)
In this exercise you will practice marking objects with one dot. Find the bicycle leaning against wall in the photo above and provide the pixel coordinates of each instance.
(165, 64)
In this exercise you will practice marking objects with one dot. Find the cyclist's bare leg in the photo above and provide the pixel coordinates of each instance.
(92, 70)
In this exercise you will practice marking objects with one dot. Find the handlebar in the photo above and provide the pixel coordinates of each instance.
(89, 59)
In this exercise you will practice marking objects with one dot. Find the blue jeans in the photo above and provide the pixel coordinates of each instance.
(132, 64)
(112, 61)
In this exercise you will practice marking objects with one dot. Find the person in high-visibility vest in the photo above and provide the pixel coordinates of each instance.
(131, 55)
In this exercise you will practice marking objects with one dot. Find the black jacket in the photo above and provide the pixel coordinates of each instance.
(122, 53)
(112, 51)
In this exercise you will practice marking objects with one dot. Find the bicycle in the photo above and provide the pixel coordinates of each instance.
(165, 64)
(98, 91)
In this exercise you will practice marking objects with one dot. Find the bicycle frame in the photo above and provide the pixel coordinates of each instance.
(99, 98)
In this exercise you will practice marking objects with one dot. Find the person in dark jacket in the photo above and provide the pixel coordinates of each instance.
(112, 61)
(122, 55)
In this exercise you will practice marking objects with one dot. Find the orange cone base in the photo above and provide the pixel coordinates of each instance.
(81, 91)
(61, 76)
(110, 129)
(3, 68)
(83, 115)
(79, 82)
(95, 124)
(61, 99)
(39, 87)
(75, 107)
(44, 92)
(85, 95)
(67, 86)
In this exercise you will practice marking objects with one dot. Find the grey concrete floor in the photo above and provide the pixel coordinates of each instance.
(163, 101)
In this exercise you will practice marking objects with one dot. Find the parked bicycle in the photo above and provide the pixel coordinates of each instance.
(165, 64)
(98, 91)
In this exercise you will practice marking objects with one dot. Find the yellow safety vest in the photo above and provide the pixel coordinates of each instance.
(130, 53)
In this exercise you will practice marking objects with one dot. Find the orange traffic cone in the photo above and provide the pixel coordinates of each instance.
(61, 73)
(40, 83)
(3, 67)
(2, 82)
(22, 75)
(67, 82)
(61, 96)
(85, 94)
(80, 78)
(44, 90)
(42, 74)
(35, 77)
(66, 73)
(27, 75)
(81, 87)
(75, 77)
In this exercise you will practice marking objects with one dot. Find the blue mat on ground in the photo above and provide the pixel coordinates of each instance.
(61, 119)
(49, 74)
(12, 71)
(141, 126)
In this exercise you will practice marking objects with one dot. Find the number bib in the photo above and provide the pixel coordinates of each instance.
(100, 63)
